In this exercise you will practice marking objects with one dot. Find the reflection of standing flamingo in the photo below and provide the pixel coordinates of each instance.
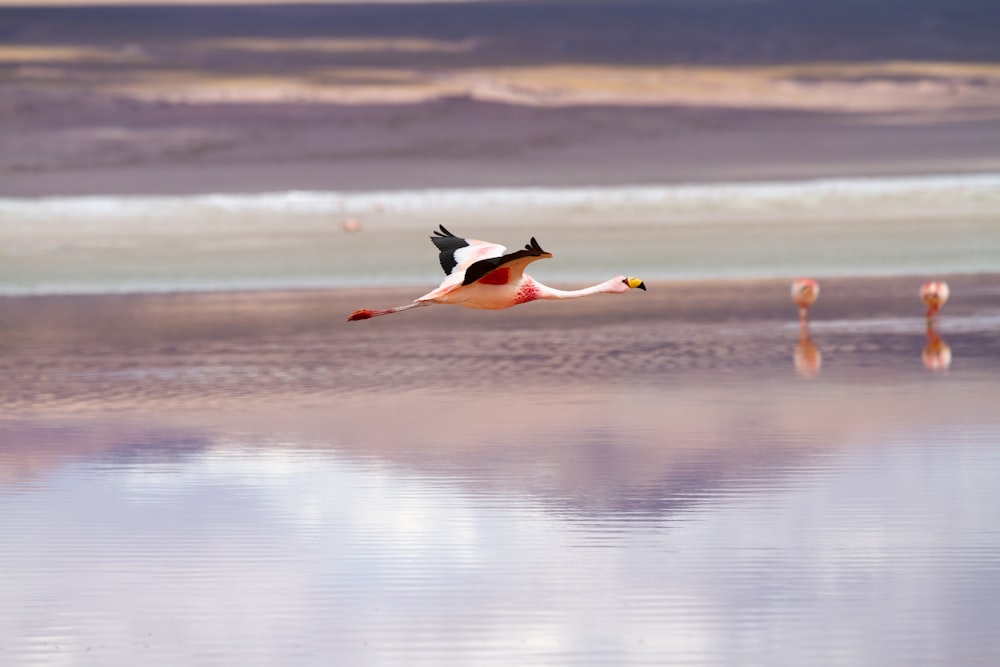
(804, 293)
(934, 294)
(937, 354)
(808, 358)
(480, 275)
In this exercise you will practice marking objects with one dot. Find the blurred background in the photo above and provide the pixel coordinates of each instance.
(233, 97)
(176, 146)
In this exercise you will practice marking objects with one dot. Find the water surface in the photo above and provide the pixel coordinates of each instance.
(718, 518)
(673, 477)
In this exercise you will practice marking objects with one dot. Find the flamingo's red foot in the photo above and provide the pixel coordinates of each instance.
(362, 314)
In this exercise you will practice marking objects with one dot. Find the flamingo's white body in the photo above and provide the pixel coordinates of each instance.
(805, 291)
(935, 294)
(481, 275)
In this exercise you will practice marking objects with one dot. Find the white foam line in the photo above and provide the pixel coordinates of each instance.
(340, 202)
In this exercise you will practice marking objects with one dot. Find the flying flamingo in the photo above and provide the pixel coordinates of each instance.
(804, 293)
(934, 294)
(480, 275)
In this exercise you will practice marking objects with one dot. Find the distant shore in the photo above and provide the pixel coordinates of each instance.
(487, 94)
(464, 143)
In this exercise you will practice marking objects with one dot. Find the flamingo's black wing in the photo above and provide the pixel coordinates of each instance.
(483, 267)
(447, 243)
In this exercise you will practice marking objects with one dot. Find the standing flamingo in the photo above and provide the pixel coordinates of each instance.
(935, 295)
(804, 294)
(808, 358)
(480, 275)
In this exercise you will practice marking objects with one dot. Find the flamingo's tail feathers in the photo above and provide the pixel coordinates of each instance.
(533, 246)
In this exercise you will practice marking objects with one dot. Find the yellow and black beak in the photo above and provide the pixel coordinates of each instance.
(635, 282)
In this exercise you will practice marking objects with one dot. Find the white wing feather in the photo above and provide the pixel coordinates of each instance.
(472, 253)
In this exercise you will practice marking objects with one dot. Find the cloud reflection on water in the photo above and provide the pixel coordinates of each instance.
(649, 528)
(197, 480)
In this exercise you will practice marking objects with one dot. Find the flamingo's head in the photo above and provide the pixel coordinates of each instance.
(625, 283)
(804, 292)
(934, 294)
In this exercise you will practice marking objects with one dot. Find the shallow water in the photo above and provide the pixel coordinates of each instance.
(715, 519)
(835, 227)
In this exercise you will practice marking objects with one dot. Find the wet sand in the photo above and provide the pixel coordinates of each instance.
(98, 353)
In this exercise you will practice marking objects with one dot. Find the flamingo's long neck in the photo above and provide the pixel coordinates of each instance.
(546, 292)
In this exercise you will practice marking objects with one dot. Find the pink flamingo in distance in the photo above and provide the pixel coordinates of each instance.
(804, 294)
(935, 294)
(483, 275)
(808, 358)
